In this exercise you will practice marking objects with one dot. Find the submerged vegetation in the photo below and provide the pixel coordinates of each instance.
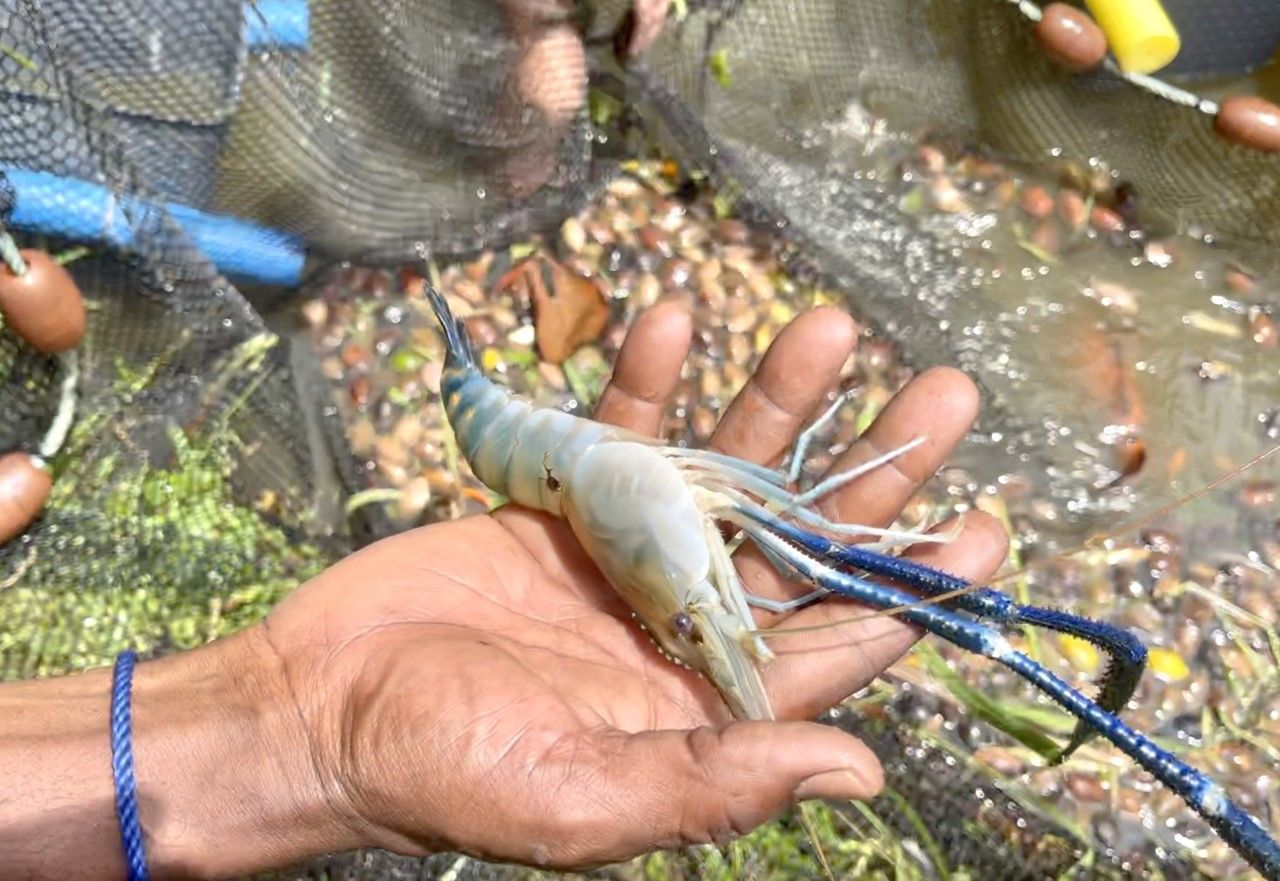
(150, 547)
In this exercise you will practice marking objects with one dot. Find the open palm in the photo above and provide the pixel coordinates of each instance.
(476, 685)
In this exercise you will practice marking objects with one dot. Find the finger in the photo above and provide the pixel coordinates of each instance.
(818, 669)
(675, 789)
(548, 87)
(650, 16)
(941, 404)
(794, 376)
(551, 76)
(648, 369)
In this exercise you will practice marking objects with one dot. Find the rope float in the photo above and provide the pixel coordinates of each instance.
(41, 303)
(1143, 40)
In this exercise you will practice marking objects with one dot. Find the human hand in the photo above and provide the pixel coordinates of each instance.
(549, 77)
(641, 27)
(477, 686)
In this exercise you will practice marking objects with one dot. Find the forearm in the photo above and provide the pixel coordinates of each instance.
(227, 783)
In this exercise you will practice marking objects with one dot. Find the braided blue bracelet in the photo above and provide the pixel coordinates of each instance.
(122, 766)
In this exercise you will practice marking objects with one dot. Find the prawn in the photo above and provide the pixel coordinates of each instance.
(648, 515)
(645, 513)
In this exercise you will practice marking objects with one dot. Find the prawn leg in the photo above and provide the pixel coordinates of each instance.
(731, 590)
(783, 606)
(730, 481)
(807, 436)
(1236, 826)
(836, 481)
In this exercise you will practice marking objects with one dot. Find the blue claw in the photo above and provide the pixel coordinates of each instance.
(1127, 655)
(1236, 827)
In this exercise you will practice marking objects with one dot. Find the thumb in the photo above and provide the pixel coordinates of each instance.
(710, 784)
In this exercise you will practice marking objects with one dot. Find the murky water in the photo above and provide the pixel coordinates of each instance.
(1074, 333)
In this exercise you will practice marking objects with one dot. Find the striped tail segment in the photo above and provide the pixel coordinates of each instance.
(462, 384)
(461, 355)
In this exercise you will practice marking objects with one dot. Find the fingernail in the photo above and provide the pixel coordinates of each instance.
(835, 785)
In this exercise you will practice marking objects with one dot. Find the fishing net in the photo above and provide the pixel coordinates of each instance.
(204, 168)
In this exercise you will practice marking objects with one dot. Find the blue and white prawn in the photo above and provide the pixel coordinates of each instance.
(649, 515)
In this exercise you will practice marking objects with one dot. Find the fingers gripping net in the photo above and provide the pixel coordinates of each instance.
(409, 126)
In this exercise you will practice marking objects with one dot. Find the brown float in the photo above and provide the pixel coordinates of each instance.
(43, 305)
(1070, 37)
(1249, 121)
(24, 489)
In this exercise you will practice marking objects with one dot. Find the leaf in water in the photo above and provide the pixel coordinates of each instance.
(723, 206)
(71, 255)
(982, 706)
(521, 250)
(585, 388)
(1036, 251)
(17, 56)
(570, 315)
(719, 64)
(602, 107)
(522, 358)
(406, 360)
(914, 202)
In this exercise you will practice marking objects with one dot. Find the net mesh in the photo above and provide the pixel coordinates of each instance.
(212, 456)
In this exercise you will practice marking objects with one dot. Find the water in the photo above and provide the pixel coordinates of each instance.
(1040, 325)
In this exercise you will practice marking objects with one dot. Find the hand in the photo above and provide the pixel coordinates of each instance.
(477, 686)
(550, 78)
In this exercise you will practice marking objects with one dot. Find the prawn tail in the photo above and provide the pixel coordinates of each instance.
(460, 353)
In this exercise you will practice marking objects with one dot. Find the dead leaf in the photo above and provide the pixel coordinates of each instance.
(569, 311)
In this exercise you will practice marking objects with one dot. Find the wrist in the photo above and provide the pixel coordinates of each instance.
(230, 780)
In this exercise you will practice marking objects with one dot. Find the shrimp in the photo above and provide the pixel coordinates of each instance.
(647, 514)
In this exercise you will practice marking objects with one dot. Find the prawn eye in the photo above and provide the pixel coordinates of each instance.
(684, 626)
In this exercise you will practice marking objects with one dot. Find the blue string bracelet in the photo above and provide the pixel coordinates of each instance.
(122, 766)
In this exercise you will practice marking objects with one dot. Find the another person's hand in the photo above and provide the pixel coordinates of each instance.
(549, 78)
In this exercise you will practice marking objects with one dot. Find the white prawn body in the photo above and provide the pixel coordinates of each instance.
(645, 526)
(640, 521)
(647, 514)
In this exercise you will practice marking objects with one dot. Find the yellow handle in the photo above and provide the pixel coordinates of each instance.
(1139, 33)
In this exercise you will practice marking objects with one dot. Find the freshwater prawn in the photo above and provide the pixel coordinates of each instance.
(649, 516)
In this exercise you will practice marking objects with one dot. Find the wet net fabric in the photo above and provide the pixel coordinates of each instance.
(206, 473)
(778, 101)
(181, 474)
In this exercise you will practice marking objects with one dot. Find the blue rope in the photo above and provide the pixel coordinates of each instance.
(122, 766)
